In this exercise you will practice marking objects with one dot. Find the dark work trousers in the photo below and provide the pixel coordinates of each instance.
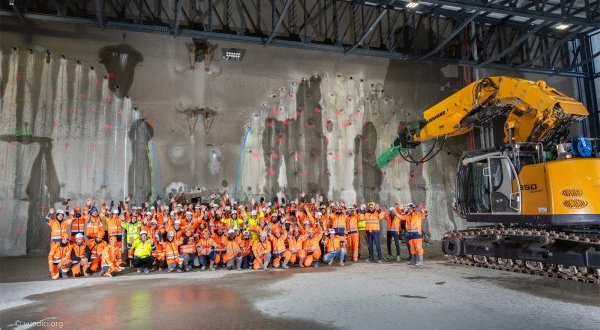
(143, 262)
(389, 236)
(373, 238)
(406, 239)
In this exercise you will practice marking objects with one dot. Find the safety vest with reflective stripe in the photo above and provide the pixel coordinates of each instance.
(78, 225)
(372, 221)
(414, 222)
(278, 244)
(333, 245)
(171, 249)
(57, 228)
(361, 223)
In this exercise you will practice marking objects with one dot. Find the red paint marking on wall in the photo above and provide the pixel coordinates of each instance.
(359, 170)
(395, 161)
(318, 110)
(107, 127)
(325, 139)
(276, 112)
(111, 74)
(279, 139)
(346, 124)
(339, 112)
(286, 122)
(348, 153)
(275, 156)
(271, 171)
(269, 123)
(298, 113)
(302, 174)
(297, 156)
(336, 156)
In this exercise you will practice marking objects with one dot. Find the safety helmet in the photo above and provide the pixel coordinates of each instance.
(60, 211)
(253, 212)
(177, 222)
(77, 209)
(112, 239)
(143, 232)
(188, 213)
(64, 236)
(115, 211)
(246, 233)
(171, 233)
(263, 234)
(231, 231)
(331, 231)
(79, 235)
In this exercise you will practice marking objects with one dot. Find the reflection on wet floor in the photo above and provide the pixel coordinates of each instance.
(160, 303)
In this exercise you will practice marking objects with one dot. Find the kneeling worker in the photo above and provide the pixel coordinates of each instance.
(142, 252)
(334, 245)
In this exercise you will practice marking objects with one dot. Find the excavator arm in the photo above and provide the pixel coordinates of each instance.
(534, 113)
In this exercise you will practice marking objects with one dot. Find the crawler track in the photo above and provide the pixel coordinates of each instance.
(569, 272)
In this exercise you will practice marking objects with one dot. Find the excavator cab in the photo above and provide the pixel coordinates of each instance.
(487, 183)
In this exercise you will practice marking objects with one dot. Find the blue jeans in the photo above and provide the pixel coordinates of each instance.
(247, 261)
(373, 238)
(203, 260)
(332, 255)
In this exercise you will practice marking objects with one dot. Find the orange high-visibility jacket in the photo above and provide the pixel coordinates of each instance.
(372, 221)
(278, 244)
(58, 228)
(171, 249)
(312, 244)
(205, 245)
(333, 244)
(414, 222)
(78, 225)
(260, 248)
(231, 249)
(96, 248)
(93, 226)
(58, 252)
(295, 243)
(352, 223)
(338, 221)
(114, 226)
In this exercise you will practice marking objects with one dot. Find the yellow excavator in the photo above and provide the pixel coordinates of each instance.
(536, 197)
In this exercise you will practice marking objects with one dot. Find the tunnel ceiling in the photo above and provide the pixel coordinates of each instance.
(512, 35)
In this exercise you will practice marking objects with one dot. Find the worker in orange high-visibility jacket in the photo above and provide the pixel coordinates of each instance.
(339, 221)
(111, 258)
(81, 256)
(414, 228)
(352, 237)
(232, 257)
(262, 251)
(59, 225)
(246, 246)
(373, 226)
(334, 248)
(278, 249)
(59, 258)
(94, 225)
(393, 221)
(294, 250)
(206, 250)
(96, 246)
(171, 246)
(311, 249)
(77, 223)
(114, 225)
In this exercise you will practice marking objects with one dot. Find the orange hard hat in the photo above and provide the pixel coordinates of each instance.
(77, 209)
(112, 239)
(100, 234)
(64, 236)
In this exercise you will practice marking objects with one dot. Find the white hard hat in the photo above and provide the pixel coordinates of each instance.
(231, 231)
(172, 213)
(148, 213)
(234, 212)
(188, 213)
(263, 234)
(245, 233)
(143, 232)
(319, 214)
(115, 211)
(171, 233)
(331, 231)
(253, 212)
(177, 221)
(60, 211)
(79, 235)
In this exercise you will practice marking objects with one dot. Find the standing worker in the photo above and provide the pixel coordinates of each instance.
(393, 232)
(353, 238)
(373, 227)
(414, 227)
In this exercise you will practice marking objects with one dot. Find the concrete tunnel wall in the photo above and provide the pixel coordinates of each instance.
(315, 122)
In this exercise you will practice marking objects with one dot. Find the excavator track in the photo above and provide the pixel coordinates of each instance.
(568, 272)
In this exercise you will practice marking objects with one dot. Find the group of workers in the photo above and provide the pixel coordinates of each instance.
(229, 235)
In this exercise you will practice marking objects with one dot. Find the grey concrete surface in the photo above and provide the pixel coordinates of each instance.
(358, 296)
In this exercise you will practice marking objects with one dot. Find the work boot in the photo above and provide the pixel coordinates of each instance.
(64, 274)
(342, 263)
(146, 271)
(380, 261)
(419, 261)
(398, 259)
(139, 270)
(412, 260)
(389, 257)
(316, 265)
(203, 267)
(330, 262)
(212, 265)
(285, 266)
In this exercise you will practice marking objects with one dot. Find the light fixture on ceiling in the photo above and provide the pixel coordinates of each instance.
(412, 4)
(233, 54)
(562, 26)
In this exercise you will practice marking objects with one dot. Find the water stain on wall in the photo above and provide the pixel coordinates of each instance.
(140, 178)
(120, 62)
(371, 177)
